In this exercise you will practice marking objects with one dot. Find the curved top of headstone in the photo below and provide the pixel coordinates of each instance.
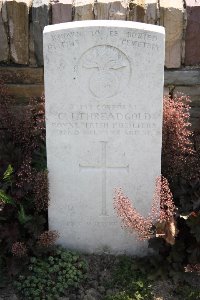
(105, 23)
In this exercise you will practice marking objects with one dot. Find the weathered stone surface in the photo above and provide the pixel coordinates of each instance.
(195, 120)
(22, 75)
(61, 11)
(18, 21)
(151, 12)
(165, 91)
(182, 77)
(25, 91)
(83, 10)
(40, 18)
(172, 18)
(136, 10)
(32, 57)
(118, 10)
(104, 127)
(4, 47)
(192, 35)
(111, 10)
(192, 91)
(101, 10)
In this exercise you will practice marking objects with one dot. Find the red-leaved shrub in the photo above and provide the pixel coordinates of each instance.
(177, 147)
(160, 221)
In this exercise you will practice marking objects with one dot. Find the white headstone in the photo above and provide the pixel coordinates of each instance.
(103, 89)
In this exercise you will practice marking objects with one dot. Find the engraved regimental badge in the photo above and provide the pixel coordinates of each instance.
(104, 71)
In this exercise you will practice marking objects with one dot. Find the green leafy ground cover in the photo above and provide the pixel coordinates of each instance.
(65, 274)
(48, 277)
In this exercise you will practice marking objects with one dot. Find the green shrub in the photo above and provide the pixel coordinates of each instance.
(181, 166)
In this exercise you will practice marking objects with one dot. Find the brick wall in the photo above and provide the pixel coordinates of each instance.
(22, 23)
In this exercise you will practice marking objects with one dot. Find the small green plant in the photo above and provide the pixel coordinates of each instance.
(48, 277)
(132, 282)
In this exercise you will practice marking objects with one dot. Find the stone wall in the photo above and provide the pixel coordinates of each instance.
(22, 23)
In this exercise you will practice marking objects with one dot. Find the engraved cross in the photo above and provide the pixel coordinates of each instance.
(103, 167)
